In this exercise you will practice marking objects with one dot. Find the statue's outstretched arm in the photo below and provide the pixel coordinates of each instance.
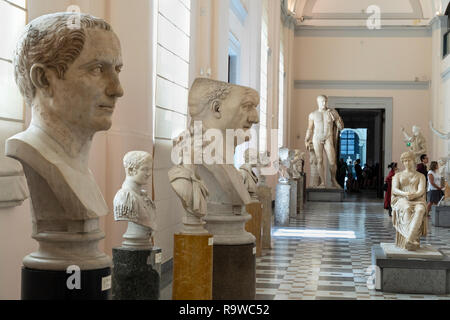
(408, 138)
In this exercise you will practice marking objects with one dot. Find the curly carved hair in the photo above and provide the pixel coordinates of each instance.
(51, 41)
(134, 159)
(199, 99)
(407, 155)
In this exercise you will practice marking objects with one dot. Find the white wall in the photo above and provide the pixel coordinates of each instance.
(364, 58)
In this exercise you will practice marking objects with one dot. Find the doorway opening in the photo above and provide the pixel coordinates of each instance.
(361, 148)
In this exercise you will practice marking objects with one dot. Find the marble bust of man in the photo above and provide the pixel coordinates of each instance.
(70, 79)
(323, 130)
(297, 163)
(408, 204)
(284, 165)
(416, 142)
(250, 178)
(132, 203)
(219, 106)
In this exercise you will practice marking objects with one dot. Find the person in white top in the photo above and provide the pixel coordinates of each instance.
(434, 191)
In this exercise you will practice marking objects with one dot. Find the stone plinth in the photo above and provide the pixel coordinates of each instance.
(411, 274)
(192, 267)
(282, 204)
(440, 216)
(293, 199)
(136, 274)
(254, 225)
(324, 195)
(53, 285)
(424, 252)
(265, 196)
(234, 272)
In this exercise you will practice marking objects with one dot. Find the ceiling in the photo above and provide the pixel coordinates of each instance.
(354, 12)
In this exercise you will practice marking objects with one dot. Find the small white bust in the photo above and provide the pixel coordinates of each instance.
(284, 165)
(133, 204)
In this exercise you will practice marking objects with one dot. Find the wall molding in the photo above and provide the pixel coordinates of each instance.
(423, 31)
(362, 85)
(308, 13)
(239, 10)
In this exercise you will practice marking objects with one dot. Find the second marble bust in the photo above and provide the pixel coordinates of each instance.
(132, 203)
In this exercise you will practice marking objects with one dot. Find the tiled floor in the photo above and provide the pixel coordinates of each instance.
(332, 268)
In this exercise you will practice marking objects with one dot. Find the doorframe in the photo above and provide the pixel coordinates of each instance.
(386, 103)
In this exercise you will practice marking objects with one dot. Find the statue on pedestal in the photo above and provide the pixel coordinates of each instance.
(250, 178)
(70, 79)
(216, 107)
(297, 164)
(133, 204)
(284, 165)
(324, 126)
(444, 136)
(416, 142)
(408, 204)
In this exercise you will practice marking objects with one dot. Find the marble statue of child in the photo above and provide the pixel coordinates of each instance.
(133, 204)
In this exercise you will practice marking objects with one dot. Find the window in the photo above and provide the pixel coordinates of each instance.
(234, 54)
(281, 96)
(172, 68)
(263, 85)
(13, 15)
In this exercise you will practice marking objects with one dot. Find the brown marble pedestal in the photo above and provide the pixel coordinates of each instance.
(192, 267)
(234, 275)
(254, 225)
(265, 196)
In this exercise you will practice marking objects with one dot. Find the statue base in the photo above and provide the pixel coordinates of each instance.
(136, 274)
(265, 196)
(61, 285)
(440, 216)
(324, 195)
(300, 193)
(254, 225)
(410, 274)
(234, 272)
(293, 198)
(283, 204)
(192, 267)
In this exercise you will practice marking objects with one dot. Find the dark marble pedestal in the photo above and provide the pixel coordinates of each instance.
(324, 195)
(408, 275)
(234, 272)
(440, 216)
(62, 285)
(136, 274)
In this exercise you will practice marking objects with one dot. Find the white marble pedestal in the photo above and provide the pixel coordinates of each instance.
(425, 271)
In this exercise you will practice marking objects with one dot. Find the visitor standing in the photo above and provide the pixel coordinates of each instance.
(387, 195)
(434, 193)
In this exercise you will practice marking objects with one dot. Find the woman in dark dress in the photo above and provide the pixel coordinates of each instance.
(387, 195)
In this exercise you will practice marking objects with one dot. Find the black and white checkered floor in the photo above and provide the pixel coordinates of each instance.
(325, 264)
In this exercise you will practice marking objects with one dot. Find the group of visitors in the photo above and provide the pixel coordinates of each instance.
(364, 178)
(432, 176)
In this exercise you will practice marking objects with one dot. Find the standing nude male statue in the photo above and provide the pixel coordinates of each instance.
(324, 125)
